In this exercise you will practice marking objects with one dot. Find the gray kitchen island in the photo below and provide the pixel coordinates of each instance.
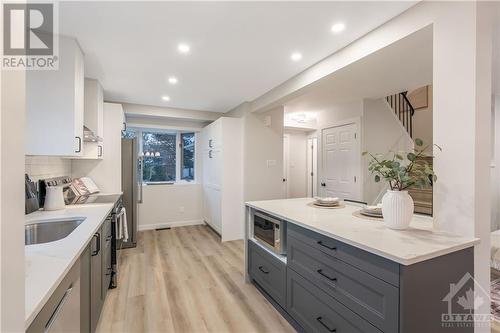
(329, 270)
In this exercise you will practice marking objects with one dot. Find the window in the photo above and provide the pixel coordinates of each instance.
(168, 156)
(187, 150)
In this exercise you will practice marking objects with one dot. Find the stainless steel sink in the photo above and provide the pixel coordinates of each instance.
(45, 231)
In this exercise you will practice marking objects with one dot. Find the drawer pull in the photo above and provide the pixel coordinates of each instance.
(320, 320)
(320, 272)
(328, 247)
(263, 270)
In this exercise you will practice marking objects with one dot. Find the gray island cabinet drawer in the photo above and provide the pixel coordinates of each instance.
(269, 272)
(315, 311)
(371, 298)
(377, 266)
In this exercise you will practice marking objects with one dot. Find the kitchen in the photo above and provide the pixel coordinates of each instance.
(155, 173)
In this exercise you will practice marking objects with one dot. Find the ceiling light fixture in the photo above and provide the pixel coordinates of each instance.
(165, 98)
(172, 80)
(296, 56)
(183, 48)
(338, 27)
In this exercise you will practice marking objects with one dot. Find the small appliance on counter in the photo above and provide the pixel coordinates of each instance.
(43, 184)
(74, 191)
(54, 198)
(31, 200)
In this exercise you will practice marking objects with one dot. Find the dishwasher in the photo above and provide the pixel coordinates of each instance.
(66, 316)
(61, 313)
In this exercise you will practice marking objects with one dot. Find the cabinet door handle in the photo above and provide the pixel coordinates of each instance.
(261, 268)
(320, 320)
(210, 154)
(210, 143)
(97, 236)
(333, 248)
(58, 309)
(124, 127)
(320, 272)
(79, 150)
(99, 153)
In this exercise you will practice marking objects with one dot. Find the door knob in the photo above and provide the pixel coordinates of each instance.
(323, 184)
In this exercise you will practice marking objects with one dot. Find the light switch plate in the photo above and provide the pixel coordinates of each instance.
(271, 163)
(267, 121)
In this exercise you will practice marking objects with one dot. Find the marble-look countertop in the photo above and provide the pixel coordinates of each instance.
(47, 264)
(418, 243)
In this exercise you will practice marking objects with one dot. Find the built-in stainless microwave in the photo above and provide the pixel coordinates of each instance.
(269, 232)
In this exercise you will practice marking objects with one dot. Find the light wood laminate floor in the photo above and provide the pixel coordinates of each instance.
(185, 280)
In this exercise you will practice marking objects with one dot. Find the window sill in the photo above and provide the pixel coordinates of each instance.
(177, 183)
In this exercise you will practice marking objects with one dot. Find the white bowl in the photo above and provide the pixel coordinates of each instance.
(327, 200)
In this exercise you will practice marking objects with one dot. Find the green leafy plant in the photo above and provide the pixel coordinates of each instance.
(404, 169)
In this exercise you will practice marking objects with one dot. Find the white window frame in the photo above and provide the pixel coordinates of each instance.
(178, 153)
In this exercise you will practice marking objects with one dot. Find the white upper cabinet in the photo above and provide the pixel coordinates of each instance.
(55, 105)
(94, 104)
(93, 119)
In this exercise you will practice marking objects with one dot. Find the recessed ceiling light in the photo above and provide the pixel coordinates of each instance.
(183, 48)
(296, 56)
(165, 98)
(172, 80)
(338, 27)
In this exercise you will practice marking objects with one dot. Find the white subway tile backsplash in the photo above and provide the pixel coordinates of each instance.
(40, 167)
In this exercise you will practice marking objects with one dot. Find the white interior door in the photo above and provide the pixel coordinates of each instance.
(312, 167)
(341, 162)
(286, 165)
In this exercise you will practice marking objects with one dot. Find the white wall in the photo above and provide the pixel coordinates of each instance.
(495, 165)
(170, 206)
(165, 123)
(334, 112)
(297, 170)
(140, 110)
(462, 67)
(382, 132)
(42, 167)
(261, 144)
(263, 155)
(12, 160)
(173, 205)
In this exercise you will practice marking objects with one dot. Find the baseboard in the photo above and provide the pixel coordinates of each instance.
(169, 225)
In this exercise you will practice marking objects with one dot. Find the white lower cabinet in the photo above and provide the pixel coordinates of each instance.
(222, 163)
(212, 208)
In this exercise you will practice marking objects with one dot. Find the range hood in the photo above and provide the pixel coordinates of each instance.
(89, 136)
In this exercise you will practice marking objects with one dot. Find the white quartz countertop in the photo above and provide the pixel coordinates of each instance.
(418, 243)
(47, 264)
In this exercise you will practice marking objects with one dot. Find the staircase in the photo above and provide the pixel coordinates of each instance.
(404, 111)
(422, 197)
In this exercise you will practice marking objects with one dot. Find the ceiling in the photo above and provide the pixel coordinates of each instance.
(401, 66)
(239, 50)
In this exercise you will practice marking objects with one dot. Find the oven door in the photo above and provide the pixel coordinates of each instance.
(266, 230)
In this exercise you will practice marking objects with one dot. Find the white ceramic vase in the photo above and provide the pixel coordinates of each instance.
(397, 209)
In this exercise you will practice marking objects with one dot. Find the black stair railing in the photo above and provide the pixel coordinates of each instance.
(403, 109)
